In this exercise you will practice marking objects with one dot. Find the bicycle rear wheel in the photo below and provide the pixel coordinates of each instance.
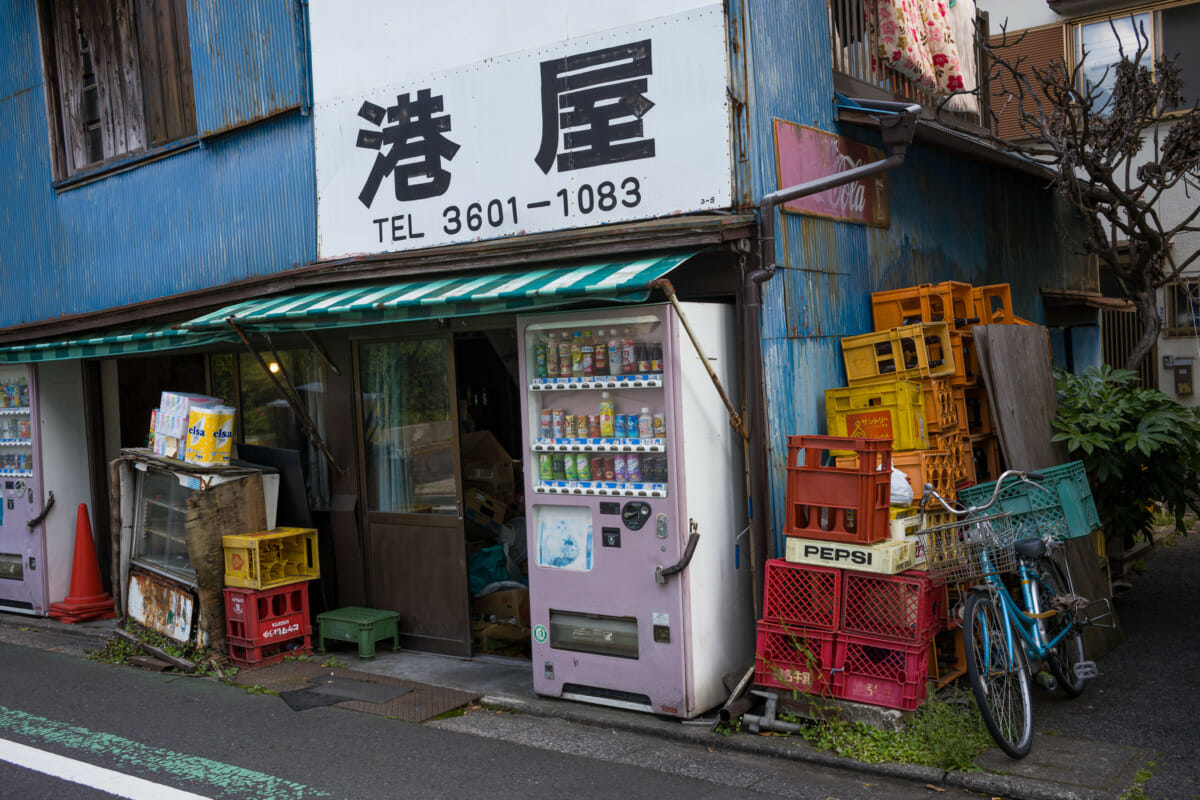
(1063, 657)
(998, 675)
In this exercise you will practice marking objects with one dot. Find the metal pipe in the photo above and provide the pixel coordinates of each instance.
(897, 122)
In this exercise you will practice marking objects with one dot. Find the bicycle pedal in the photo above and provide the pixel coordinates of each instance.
(1086, 670)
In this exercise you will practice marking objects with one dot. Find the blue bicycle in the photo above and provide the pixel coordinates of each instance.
(1002, 636)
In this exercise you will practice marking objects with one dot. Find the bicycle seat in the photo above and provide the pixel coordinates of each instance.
(1032, 549)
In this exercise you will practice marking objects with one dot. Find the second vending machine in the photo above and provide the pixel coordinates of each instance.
(639, 578)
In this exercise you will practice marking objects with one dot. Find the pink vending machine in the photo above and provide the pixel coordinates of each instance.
(23, 567)
(639, 575)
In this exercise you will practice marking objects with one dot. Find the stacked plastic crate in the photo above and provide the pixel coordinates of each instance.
(267, 576)
(843, 616)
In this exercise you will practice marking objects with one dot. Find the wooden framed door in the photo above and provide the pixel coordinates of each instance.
(414, 544)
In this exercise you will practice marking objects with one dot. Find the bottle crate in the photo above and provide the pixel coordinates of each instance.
(951, 302)
(993, 304)
(802, 595)
(966, 359)
(927, 466)
(985, 455)
(979, 413)
(887, 558)
(268, 615)
(1064, 508)
(947, 658)
(959, 447)
(243, 653)
(941, 404)
(894, 411)
(879, 672)
(910, 352)
(908, 607)
(794, 658)
(837, 503)
(267, 559)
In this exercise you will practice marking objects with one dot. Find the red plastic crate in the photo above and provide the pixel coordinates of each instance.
(879, 672)
(908, 607)
(267, 615)
(246, 654)
(794, 658)
(847, 503)
(802, 594)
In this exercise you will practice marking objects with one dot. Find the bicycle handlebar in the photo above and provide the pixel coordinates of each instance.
(1032, 478)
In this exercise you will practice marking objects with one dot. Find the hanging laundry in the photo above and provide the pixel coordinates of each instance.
(915, 38)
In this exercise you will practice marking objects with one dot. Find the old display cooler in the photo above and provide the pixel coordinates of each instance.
(639, 576)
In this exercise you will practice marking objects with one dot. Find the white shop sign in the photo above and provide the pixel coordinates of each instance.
(630, 123)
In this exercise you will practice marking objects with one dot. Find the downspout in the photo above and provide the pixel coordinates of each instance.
(897, 123)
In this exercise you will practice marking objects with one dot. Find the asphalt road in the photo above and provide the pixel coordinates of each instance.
(218, 741)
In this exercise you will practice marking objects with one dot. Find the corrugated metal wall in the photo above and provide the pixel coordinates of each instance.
(951, 219)
(240, 205)
(249, 60)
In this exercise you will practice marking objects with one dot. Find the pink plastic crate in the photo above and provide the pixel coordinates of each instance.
(802, 594)
(793, 658)
(907, 607)
(880, 672)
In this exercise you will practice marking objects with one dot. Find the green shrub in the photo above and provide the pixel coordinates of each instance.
(1139, 446)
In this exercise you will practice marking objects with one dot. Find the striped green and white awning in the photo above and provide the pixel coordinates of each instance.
(126, 342)
(446, 296)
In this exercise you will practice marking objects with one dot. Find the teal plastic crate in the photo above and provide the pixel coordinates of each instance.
(1064, 509)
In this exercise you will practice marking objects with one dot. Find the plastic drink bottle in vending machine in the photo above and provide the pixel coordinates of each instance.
(552, 356)
(601, 354)
(588, 354)
(614, 353)
(628, 354)
(539, 359)
(576, 355)
(607, 429)
(645, 425)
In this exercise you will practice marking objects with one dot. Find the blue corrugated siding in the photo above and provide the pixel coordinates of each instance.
(248, 60)
(242, 206)
(951, 219)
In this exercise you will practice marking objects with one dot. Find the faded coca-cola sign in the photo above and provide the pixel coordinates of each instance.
(804, 154)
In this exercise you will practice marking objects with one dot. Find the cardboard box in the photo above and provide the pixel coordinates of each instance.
(506, 604)
(484, 510)
(487, 466)
(501, 637)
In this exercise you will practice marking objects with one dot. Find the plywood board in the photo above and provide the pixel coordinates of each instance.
(1018, 373)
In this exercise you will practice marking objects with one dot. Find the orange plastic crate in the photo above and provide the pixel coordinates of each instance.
(966, 359)
(979, 413)
(959, 447)
(951, 302)
(838, 503)
(927, 466)
(941, 407)
(993, 304)
(985, 453)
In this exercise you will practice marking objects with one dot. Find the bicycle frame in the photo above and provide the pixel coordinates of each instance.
(1017, 621)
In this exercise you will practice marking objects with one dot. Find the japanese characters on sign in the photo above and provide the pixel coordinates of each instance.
(622, 125)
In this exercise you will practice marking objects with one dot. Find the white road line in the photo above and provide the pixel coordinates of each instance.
(106, 780)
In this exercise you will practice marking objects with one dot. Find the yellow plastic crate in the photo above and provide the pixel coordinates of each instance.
(886, 558)
(910, 352)
(267, 559)
(893, 410)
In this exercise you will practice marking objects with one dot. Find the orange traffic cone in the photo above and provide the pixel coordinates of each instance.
(86, 600)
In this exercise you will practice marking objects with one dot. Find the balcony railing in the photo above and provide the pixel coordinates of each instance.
(854, 36)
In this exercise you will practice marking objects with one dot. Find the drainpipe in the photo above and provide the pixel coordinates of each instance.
(897, 122)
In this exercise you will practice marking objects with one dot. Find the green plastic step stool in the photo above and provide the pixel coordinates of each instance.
(356, 624)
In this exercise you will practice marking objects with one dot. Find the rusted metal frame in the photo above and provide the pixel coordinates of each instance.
(305, 421)
(523, 251)
(735, 419)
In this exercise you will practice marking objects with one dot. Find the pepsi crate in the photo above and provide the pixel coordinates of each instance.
(1063, 508)
(794, 658)
(269, 615)
(834, 503)
(803, 595)
(908, 607)
(888, 558)
(880, 672)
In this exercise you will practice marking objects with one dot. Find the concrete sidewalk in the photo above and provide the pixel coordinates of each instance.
(1139, 712)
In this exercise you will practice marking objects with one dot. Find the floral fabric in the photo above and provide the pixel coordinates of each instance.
(916, 39)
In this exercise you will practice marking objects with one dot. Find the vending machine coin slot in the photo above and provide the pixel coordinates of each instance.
(635, 515)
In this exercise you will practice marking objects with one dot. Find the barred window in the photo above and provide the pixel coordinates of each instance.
(1182, 312)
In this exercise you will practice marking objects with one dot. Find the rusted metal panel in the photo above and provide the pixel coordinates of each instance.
(162, 605)
(248, 60)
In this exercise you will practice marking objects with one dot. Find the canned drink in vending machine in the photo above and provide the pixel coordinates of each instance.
(546, 467)
(558, 468)
(569, 467)
(593, 431)
(633, 467)
(583, 467)
(546, 424)
(619, 426)
(581, 426)
(597, 468)
(619, 467)
(610, 468)
(558, 423)
(660, 425)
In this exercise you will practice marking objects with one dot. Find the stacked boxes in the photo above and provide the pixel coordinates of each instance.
(847, 634)
(267, 577)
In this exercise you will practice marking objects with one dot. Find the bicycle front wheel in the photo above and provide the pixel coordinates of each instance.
(1063, 657)
(998, 676)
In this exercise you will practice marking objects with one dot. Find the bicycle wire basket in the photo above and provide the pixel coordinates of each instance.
(966, 549)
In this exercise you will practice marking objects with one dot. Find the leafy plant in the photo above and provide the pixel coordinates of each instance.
(333, 663)
(1137, 790)
(1139, 447)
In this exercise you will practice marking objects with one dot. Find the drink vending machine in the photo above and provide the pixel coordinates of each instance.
(23, 573)
(639, 572)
